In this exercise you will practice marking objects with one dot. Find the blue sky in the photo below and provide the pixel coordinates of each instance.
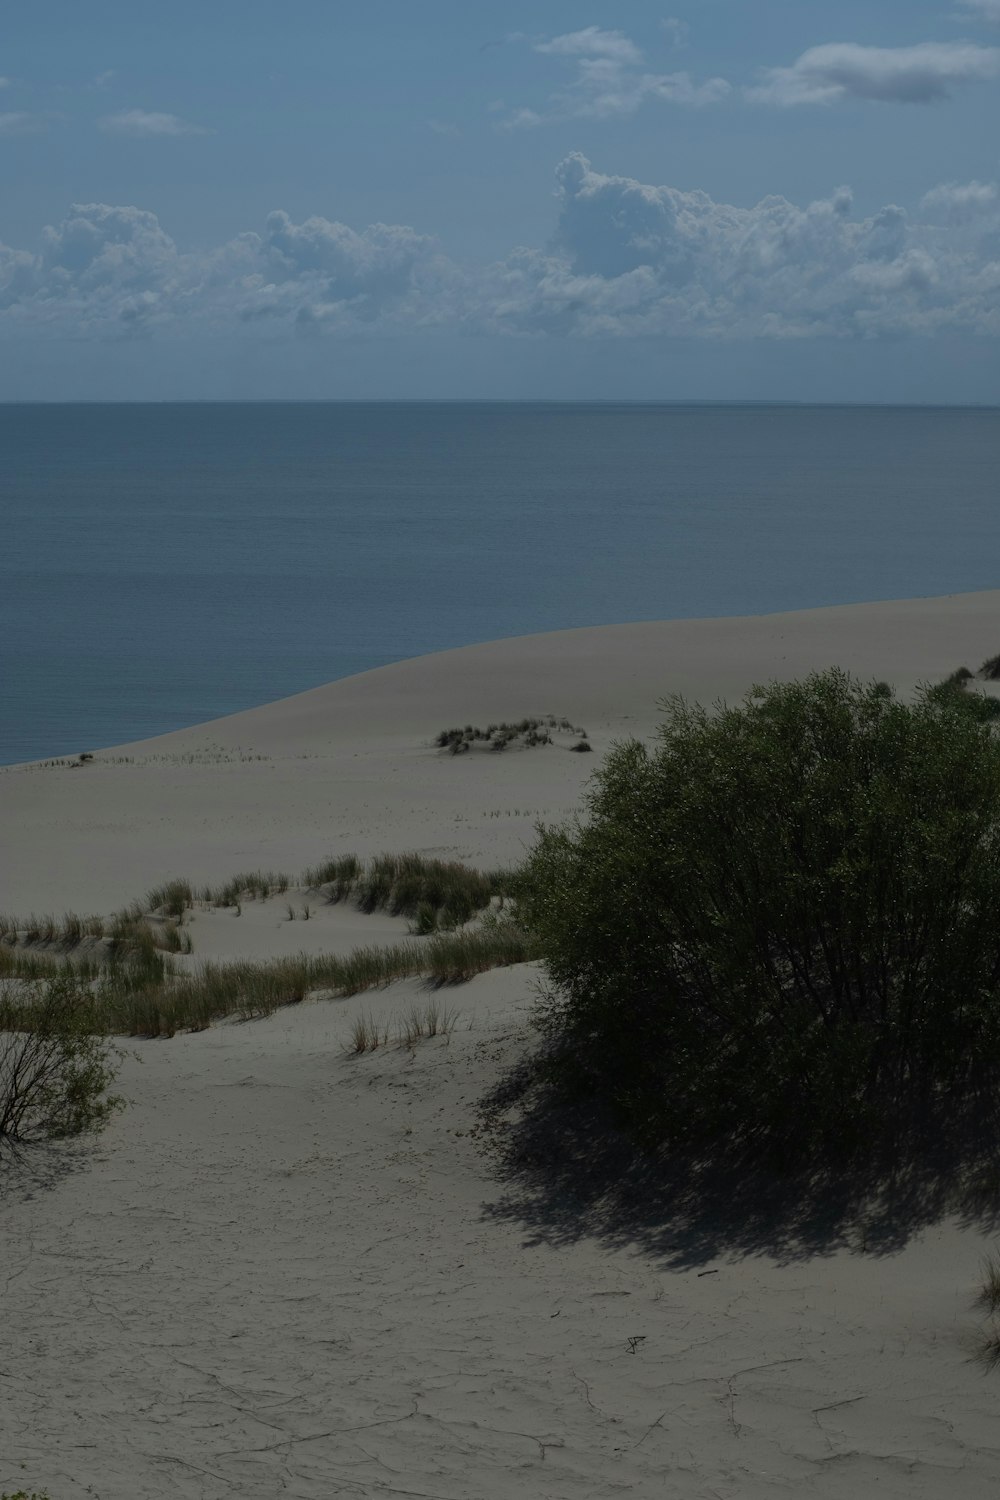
(240, 199)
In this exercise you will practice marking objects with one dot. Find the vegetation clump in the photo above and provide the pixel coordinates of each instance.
(525, 732)
(777, 928)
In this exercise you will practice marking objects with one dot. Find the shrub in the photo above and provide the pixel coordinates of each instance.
(779, 924)
(55, 1072)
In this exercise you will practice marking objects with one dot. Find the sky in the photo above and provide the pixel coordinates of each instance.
(326, 199)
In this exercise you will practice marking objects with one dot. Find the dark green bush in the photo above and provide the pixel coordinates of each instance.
(779, 926)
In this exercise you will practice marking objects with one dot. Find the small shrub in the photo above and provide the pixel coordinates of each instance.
(582, 747)
(55, 1073)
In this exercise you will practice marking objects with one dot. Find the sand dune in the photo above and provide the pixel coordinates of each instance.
(286, 1270)
(350, 766)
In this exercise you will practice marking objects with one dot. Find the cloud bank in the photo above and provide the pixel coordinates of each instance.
(893, 75)
(626, 259)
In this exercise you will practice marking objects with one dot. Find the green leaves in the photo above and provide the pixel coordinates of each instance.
(781, 922)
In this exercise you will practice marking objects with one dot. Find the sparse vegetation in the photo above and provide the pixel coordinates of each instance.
(370, 1032)
(777, 929)
(125, 962)
(403, 884)
(524, 732)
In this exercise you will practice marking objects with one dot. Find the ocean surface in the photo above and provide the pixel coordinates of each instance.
(165, 564)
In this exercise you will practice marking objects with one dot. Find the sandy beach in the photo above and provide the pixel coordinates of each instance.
(288, 1270)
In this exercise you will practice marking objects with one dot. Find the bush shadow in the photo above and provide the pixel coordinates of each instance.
(28, 1168)
(568, 1174)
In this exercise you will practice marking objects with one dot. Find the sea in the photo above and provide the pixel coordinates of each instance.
(165, 564)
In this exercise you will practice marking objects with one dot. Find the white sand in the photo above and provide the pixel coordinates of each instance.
(285, 1270)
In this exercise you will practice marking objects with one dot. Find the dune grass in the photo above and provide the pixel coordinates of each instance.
(140, 992)
(126, 960)
(989, 1300)
(527, 732)
(370, 1032)
(435, 894)
(989, 1295)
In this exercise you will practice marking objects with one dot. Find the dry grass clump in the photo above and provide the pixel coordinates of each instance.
(370, 1032)
(410, 885)
(337, 875)
(989, 1299)
(527, 732)
(989, 1295)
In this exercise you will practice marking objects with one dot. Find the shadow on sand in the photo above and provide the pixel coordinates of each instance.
(30, 1168)
(568, 1174)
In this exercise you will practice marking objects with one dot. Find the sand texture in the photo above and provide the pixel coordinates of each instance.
(289, 1270)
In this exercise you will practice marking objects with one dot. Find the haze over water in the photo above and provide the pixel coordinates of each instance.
(166, 564)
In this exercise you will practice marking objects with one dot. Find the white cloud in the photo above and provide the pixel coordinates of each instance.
(678, 32)
(593, 42)
(609, 80)
(896, 75)
(626, 259)
(522, 119)
(16, 122)
(144, 122)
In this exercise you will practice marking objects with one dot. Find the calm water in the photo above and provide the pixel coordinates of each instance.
(160, 565)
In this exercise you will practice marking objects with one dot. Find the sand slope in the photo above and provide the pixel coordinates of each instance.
(289, 1271)
(349, 766)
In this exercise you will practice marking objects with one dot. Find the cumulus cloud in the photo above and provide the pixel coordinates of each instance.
(144, 122)
(610, 80)
(626, 259)
(893, 75)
